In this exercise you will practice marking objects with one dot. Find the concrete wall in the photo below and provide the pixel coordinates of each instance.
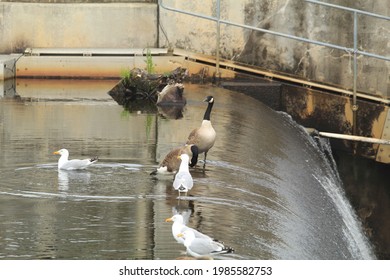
(279, 54)
(80, 25)
(128, 24)
(199, 35)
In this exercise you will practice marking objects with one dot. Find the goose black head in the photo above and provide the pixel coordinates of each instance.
(209, 99)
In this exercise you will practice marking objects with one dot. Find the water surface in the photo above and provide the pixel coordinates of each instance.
(268, 191)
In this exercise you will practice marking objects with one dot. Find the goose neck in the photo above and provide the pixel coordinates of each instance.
(208, 111)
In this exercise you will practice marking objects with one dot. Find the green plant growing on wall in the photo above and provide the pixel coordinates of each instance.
(148, 126)
(149, 61)
(125, 114)
(126, 75)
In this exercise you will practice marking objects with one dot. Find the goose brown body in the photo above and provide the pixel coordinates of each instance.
(204, 136)
(171, 162)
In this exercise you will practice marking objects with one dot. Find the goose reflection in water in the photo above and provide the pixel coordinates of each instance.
(173, 112)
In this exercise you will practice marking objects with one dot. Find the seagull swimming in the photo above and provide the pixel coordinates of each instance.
(199, 247)
(74, 164)
(183, 180)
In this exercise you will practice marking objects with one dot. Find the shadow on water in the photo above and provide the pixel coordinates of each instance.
(269, 190)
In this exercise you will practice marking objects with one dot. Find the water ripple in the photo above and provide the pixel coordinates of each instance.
(78, 197)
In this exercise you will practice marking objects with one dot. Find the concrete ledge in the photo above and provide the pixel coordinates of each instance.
(7, 66)
(7, 74)
(89, 67)
(63, 89)
(94, 51)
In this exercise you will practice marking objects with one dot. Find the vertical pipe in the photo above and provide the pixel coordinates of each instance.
(158, 27)
(354, 103)
(218, 35)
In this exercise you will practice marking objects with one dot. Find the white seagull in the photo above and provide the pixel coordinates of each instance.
(178, 226)
(183, 180)
(74, 164)
(200, 247)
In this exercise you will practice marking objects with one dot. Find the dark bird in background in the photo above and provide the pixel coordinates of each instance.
(172, 94)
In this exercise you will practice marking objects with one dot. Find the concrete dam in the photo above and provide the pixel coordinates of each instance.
(325, 65)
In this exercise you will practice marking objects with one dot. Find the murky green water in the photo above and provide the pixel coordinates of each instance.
(267, 190)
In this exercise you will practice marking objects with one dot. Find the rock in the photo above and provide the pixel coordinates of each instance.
(141, 88)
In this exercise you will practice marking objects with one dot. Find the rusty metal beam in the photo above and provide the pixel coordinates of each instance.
(233, 66)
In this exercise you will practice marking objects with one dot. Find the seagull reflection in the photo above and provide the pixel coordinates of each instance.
(75, 176)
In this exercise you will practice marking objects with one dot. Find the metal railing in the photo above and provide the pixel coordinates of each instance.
(354, 50)
(218, 20)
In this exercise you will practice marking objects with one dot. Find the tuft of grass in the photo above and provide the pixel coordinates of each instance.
(125, 74)
(149, 62)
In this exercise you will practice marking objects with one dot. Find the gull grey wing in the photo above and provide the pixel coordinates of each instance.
(183, 178)
(76, 164)
(202, 246)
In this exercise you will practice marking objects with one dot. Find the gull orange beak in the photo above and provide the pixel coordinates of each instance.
(168, 220)
(56, 153)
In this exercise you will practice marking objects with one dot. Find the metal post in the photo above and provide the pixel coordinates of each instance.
(218, 35)
(355, 49)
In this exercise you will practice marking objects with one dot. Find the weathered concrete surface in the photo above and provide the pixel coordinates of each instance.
(323, 111)
(7, 88)
(129, 25)
(89, 66)
(383, 154)
(90, 25)
(76, 65)
(8, 66)
(62, 89)
(199, 35)
(80, 1)
(298, 18)
(332, 113)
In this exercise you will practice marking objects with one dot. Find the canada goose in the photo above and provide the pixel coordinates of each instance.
(178, 226)
(171, 163)
(199, 247)
(172, 94)
(204, 136)
(183, 180)
(73, 164)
